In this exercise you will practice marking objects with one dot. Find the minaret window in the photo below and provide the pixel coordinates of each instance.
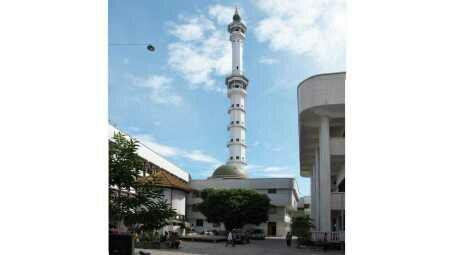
(237, 122)
(231, 158)
(237, 105)
(231, 140)
(238, 139)
(237, 157)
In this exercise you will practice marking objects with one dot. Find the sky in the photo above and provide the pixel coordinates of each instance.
(174, 99)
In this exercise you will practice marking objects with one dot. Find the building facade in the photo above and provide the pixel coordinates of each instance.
(283, 194)
(173, 180)
(304, 206)
(321, 118)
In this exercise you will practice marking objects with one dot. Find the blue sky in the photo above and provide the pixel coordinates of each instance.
(174, 99)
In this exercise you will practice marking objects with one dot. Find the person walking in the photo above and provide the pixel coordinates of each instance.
(230, 239)
(288, 238)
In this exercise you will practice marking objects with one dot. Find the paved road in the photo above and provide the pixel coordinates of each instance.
(256, 247)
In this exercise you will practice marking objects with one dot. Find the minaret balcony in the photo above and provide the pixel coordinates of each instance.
(236, 108)
(236, 143)
(237, 26)
(234, 91)
(236, 161)
(237, 35)
(236, 78)
(236, 125)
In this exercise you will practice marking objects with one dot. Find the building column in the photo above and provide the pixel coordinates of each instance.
(343, 220)
(314, 195)
(325, 176)
(317, 188)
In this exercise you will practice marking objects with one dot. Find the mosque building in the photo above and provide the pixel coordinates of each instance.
(283, 192)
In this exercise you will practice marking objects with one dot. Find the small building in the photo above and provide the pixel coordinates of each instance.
(304, 206)
(173, 180)
(283, 194)
(321, 117)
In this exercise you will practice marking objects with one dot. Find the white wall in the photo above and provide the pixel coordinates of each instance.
(176, 198)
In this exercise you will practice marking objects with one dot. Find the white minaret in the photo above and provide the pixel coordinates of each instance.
(237, 84)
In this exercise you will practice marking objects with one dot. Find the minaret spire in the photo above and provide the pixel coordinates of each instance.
(236, 91)
(237, 84)
(236, 16)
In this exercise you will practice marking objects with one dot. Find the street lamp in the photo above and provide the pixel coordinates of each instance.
(150, 47)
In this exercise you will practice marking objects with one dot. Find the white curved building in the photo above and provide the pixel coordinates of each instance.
(321, 118)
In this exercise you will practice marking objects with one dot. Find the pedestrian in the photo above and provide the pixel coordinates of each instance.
(288, 238)
(230, 239)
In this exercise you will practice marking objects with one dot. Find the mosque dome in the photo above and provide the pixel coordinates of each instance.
(229, 172)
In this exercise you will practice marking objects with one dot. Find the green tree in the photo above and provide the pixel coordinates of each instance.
(132, 197)
(301, 227)
(234, 207)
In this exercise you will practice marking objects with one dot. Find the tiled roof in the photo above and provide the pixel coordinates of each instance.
(164, 179)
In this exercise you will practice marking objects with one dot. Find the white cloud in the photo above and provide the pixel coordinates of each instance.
(164, 150)
(199, 156)
(175, 152)
(194, 28)
(202, 51)
(161, 91)
(271, 171)
(223, 14)
(267, 60)
(316, 28)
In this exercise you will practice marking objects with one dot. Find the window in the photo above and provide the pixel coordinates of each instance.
(232, 105)
(236, 67)
(338, 128)
(194, 208)
(272, 210)
(237, 122)
(199, 223)
(231, 140)
(231, 122)
(238, 139)
(195, 194)
(237, 105)
(231, 158)
(236, 86)
(216, 225)
(272, 191)
(237, 157)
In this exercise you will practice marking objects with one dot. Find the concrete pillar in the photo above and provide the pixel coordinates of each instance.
(325, 176)
(313, 197)
(317, 191)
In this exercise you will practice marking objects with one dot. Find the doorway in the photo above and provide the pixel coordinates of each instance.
(271, 228)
